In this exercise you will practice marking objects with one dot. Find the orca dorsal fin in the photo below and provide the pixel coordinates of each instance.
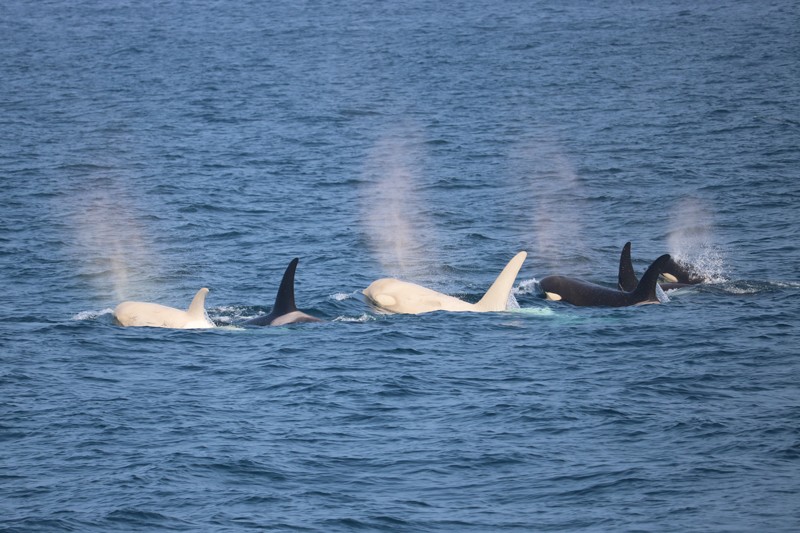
(646, 289)
(496, 298)
(626, 280)
(284, 301)
(197, 309)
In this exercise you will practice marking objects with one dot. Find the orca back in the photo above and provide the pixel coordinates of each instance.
(584, 293)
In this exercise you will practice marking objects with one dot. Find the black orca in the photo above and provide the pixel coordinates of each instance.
(583, 293)
(677, 274)
(284, 311)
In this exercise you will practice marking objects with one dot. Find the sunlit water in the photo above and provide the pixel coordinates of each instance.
(150, 150)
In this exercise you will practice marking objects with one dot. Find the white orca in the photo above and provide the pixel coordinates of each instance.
(397, 296)
(284, 311)
(160, 316)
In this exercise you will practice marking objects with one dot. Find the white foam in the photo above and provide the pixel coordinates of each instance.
(361, 319)
(743, 290)
(535, 311)
(341, 296)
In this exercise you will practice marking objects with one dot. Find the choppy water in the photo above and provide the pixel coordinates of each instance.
(150, 149)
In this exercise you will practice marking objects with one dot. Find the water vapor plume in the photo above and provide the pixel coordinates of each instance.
(110, 242)
(394, 212)
(556, 203)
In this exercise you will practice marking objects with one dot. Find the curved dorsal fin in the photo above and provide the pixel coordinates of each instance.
(496, 298)
(197, 309)
(284, 301)
(626, 280)
(646, 289)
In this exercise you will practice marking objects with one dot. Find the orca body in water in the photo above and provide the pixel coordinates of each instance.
(584, 293)
(677, 275)
(284, 311)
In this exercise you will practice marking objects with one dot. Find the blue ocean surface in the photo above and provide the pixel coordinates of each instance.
(148, 149)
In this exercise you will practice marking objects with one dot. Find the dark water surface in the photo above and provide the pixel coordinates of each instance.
(150, 149)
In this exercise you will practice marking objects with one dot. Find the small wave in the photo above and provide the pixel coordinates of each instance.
(227, 308)
(92, 315)
(786, 284)
(744, 287)
(225, 326)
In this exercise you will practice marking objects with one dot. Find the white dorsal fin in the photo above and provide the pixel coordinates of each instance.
(496, 298)
(197, 309)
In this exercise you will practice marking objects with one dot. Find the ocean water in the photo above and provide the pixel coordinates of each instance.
(148, 149)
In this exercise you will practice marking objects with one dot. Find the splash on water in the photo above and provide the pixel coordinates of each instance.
(691, 240)
(92, 315)
(528, 286)
(360, 319)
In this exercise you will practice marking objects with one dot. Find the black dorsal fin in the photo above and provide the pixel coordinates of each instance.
(284, 301)
(646, 289)
(627, 280)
